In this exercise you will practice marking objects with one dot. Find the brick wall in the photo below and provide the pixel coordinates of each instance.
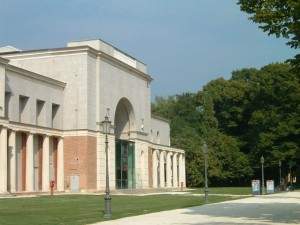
(80, 159)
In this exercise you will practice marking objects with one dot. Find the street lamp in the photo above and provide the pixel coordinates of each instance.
(205, 171)
(106, 125)
(290, 167)
(279, 164)
(262, 160)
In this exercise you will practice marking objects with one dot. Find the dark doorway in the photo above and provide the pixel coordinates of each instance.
(125, 165)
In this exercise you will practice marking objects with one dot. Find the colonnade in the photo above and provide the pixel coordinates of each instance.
(29, 161)
(168, 169)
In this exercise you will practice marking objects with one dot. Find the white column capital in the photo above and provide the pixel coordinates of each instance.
(3, 126)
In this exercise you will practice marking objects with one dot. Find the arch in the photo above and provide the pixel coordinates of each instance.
(124, 119)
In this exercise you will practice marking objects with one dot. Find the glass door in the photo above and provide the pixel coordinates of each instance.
(125, 165)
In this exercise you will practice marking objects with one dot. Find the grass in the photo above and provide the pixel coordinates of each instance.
(84, 209)
(225, 190)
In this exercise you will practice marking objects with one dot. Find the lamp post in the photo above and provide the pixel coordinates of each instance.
(106, 125)
(279, 164)
(290, 167)
(205, 171)
(262, 160)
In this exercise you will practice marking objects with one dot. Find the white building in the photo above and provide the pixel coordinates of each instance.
(51, 104)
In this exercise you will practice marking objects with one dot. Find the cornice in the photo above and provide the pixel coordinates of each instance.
(3, 61)
(73, 50)
(28, 128)
(35, 76)
(130, 68)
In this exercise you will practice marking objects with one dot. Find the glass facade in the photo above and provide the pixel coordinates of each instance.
(125, 165)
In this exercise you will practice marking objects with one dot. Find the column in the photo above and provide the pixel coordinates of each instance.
(3, 160)
(29, 163)
(60, 165)
(183, 171)
(175, 181)
(12, 143)
(180, 170)
(45, 169)
(169, 170)
(154, 168)
(161, 169)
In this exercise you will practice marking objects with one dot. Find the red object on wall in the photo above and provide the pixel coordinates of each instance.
(52, 185)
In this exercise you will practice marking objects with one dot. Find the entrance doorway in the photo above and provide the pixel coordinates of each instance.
(125, 149)
(125, 165)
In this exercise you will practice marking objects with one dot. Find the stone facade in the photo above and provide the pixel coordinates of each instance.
(52, 103)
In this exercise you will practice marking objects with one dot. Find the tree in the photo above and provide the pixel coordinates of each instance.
(255, 112)
(260, 109)
(190, 125)
(277, 17)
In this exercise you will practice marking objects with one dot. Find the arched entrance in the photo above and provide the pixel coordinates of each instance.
(125, 153)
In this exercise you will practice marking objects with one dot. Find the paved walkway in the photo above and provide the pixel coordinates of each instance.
(277, 209)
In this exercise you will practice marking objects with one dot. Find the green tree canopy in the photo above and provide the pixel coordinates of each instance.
(261, 108)
(276, 17)
(256, 112)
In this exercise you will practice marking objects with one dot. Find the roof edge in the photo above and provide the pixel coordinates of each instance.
(84, 48)
(36, 76)
(4, 61)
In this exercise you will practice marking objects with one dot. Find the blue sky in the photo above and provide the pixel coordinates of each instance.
(185, 43)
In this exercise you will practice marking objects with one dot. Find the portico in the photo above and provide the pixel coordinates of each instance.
(168, 168)
(29, 161)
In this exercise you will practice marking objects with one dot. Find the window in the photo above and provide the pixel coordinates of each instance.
(22, 108)
(40, 114)
(7, 99)
(151, 135)
(157, 137)
(55, 116)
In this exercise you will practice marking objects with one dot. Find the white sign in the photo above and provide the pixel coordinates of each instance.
(256, 187)
(270, 186)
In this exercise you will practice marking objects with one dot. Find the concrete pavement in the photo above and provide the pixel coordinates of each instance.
(277, 209)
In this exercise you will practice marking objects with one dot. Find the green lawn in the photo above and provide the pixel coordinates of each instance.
(226, 190)
(83, 209)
